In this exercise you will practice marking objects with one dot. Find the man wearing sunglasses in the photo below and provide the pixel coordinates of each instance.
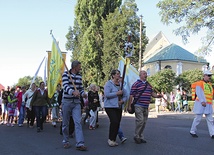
(203, 104)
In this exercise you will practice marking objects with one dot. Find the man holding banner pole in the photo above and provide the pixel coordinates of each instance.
(71, 105)
(72, 89)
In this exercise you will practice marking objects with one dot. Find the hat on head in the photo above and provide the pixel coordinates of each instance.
(207, 72)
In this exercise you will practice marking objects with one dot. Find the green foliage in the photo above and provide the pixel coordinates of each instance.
(193, 15)
(74, 39)
(185, 79)
(26, 81)
(88, 36)
(164, 80)
(115, 31)
(99, 30)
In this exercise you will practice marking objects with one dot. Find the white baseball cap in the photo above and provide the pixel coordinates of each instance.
(207, 72)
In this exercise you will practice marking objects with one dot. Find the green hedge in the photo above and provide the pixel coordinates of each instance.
(191, 104)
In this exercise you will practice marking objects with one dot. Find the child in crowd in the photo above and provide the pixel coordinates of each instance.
(12, 104)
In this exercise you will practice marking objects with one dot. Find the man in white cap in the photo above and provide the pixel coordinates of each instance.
(203, 104)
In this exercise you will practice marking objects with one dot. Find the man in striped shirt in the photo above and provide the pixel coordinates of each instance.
(142, 104)
(72, 90)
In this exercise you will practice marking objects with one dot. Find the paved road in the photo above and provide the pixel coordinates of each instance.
(166, 134)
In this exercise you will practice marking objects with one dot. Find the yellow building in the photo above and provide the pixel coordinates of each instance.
(160, 54)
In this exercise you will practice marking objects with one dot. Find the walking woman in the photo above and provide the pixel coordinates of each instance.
(113, 100)
(39, 103)
(27, 99)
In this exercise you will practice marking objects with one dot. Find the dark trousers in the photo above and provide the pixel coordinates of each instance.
(40, 113)
(114, 115)
(172, 106)
(97, 117)
(185, 107)
(87, 114)
(30, 117)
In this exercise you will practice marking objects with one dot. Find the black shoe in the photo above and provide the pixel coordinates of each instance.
(143, 141)
(212, 136)
(38, 129)
(41, 126)
(97, 125)
(194, 135)
(137, 140)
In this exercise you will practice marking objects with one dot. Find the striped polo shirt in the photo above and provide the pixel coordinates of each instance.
(136, 89)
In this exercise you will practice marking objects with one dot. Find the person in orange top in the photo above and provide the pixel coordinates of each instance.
(203, 104)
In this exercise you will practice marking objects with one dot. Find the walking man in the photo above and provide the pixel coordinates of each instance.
(203, 104)
(71, 105)
(142, 104)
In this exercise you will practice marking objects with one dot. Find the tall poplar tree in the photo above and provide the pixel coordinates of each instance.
(89, 14)
(116, 28)
(74, 39)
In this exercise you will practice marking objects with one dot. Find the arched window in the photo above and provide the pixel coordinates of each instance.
(157, 68)
(148, 71)
(179, 68)
(204, 68)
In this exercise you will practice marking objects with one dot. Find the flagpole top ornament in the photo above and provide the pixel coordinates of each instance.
(128, 47)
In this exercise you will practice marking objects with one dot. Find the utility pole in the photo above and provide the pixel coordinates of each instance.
(140, 50)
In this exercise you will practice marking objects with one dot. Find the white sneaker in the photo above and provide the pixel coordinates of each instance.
(20, 125)
(112, 143)
(115, 143)
(123, 139)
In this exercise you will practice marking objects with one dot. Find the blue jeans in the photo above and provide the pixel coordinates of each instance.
(120, 133)
(21, 114)
(178, 107)
(40, 113)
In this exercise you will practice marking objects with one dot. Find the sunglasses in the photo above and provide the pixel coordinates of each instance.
(209, 75)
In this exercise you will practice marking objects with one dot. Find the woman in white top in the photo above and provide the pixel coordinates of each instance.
(27, 99)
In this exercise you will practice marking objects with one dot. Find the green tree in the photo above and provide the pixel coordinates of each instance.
(185, 79)
(164, 80)
(74, 37)
(193, 15)
(89, 14)
(26, 81)
(116, 27)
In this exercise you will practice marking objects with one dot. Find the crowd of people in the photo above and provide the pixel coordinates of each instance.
(71, 99)
(175, 102)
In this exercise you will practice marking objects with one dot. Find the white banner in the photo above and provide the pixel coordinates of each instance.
(131, 75)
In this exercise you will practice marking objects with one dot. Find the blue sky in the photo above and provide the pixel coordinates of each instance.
(26, 24)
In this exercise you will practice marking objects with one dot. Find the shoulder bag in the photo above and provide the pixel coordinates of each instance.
(136, 99)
